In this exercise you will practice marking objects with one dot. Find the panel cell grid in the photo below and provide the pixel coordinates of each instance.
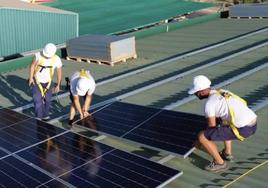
(166, 130)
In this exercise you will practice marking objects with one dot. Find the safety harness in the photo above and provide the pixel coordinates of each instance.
(227, 95)
(83, 74)
(39, 68)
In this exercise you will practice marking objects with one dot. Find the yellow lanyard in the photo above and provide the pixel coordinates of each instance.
(227, 95)
(84, 74)
(39, 67)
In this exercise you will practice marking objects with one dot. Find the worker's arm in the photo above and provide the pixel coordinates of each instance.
(31, 72)
(59, 77)
(87, 105)
(211, 121)
(78, 106)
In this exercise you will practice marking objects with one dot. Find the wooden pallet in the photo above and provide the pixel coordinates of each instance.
(90, 60)
(249, 17)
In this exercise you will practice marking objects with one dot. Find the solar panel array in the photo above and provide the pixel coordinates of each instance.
(36, 154)
(166, 130)
(18, 131)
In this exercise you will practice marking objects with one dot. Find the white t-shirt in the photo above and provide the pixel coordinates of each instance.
(44, 75)
(217, 106)
(74, 79)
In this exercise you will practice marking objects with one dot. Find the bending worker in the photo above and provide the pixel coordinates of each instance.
(82, 84)
(40, 78)
(236, 121)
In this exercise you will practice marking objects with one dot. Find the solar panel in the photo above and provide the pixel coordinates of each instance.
(9, 117)
(15, 173)
(37, 154)
(19, 131)
(170, 131)
(2, 153)
(82, 162)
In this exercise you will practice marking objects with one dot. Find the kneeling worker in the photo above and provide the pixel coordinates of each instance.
(82, 84)
(236, 121)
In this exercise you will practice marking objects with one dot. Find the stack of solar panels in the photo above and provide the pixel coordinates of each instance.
(102, 48)
(249, 10)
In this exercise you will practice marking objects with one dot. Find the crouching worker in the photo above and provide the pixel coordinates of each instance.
(82, 84)
(40, 78)
(228, 118)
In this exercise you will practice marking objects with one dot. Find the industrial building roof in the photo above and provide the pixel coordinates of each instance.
(17, 4)
(236, 60)
(106, 17)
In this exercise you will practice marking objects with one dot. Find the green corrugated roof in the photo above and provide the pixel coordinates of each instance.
(106, 16)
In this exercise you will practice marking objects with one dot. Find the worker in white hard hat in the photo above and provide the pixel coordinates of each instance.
(82, 84)
(40, 78)
(228, 118)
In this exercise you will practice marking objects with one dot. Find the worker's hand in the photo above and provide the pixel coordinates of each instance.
(82, 116)
(85, 114)
(31, 82)
(57, 89)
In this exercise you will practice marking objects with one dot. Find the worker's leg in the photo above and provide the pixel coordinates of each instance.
(210, 147)
(38, 102)
(228, 147)
(72, 113)
(225, 134)
(47, 103)
(72, 110)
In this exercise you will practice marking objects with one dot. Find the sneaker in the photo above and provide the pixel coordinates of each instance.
(213, 167)
(38, 118)
(46, 118)
(226, 157)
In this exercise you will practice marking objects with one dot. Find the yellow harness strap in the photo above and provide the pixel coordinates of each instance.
(84, 74)
(38, 68)
(227, 95)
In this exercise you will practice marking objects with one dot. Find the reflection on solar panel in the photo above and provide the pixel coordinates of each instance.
(171, 131)
(9, 117)
(18, 131)
(15, 173)
(83, 162)
(61, 158)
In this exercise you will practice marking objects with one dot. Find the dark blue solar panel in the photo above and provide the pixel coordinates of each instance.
(24, 133)
(85, 163)
(2, 153)
(167, 130)
(34, 153)
(9, 117)
(128, 117)
(15, 173)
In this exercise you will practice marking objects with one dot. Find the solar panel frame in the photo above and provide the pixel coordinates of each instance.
(124, 179)
(14, 140)
(26, 175)
(16, 137)
(24, 157)
(157, 112)
(15, 119)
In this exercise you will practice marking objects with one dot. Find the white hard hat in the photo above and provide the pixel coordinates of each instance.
(82, 86)
(200, 82)
(49, 50)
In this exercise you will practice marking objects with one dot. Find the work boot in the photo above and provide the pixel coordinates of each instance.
(213, 167)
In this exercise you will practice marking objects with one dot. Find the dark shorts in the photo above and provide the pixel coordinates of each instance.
(72, 97)
(225, 133)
